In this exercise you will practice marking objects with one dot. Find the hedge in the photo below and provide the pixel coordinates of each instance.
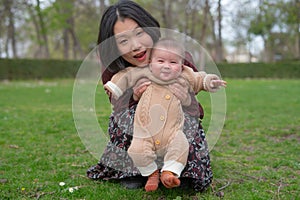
(17, 69)
(260, 70)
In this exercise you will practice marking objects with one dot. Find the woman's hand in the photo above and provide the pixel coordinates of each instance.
(140, 87)
(180, 90)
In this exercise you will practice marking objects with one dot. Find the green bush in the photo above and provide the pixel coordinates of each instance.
(16, 69)
(260, 70)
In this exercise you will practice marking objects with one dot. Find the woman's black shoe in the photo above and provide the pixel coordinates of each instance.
(133, 182)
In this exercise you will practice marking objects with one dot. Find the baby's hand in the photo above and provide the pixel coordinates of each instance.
(218, 83)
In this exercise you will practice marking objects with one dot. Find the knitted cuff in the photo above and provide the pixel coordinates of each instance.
(114, 89)
(208, 86)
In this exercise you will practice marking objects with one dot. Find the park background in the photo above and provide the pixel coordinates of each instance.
(255, 45)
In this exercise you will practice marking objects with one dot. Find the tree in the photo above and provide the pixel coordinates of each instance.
(8, 14)
(263, 24)
(292, 18)
(43, 29)
(68, 29)
(38, 17)
(67, 9)
(166, 11)
(102, 6)
(219, 46)
(278, 23)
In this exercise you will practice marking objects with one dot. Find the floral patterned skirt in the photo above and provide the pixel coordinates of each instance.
(115, 163)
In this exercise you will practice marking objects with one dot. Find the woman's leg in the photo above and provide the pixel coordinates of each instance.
(115, 163)
(197, 171)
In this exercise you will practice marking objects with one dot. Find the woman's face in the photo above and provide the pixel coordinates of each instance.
(133, 42)
(166, 64)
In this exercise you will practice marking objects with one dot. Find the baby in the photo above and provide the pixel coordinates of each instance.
(159, 119)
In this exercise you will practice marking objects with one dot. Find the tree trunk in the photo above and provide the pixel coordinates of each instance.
(102, 7)
(43, 30)
(70, 40)
(214, 36)
(205, 21)
(38, 52)
(186, 23)
(6, 47)
(1, 37)
(167, 13)
(66, 44)
(219, 49)
(76, 44)
(297, 33)
(12, 33)
(203, 34)
(194, 21)
(11, 39)
(268, 50)
(298, 45)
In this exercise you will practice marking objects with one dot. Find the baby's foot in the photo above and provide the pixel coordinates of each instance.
(169, 180)
(152, 182)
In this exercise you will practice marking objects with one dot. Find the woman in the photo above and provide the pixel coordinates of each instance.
(131, 45)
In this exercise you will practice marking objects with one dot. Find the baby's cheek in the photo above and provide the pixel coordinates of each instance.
(178, 70)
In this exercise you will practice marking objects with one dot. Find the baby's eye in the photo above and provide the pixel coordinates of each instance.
(140, 32)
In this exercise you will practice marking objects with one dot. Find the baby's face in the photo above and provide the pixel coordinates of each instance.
(165, 64)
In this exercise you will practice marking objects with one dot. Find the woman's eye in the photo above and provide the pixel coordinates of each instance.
(123, 42)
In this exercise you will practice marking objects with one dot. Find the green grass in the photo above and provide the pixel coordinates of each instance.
(256, 157)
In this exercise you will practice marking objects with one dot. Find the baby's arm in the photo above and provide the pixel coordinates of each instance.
(117, 85)
(203, 81)
(212, 83)
(124, 80)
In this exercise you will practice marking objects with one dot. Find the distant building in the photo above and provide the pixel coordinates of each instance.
(281, 46)
(240, 56)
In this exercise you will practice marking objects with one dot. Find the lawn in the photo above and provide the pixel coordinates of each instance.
(256, 156)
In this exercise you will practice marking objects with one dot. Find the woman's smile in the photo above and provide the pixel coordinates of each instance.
(133, 42)
(141, 56)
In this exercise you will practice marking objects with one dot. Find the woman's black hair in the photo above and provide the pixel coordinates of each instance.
(109, 53)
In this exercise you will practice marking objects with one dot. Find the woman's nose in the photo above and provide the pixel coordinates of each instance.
(136, 45)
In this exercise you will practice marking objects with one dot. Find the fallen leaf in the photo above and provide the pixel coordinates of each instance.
(3, 180)
(13, 146)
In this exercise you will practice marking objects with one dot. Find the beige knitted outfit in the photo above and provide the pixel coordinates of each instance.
(159, 119)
